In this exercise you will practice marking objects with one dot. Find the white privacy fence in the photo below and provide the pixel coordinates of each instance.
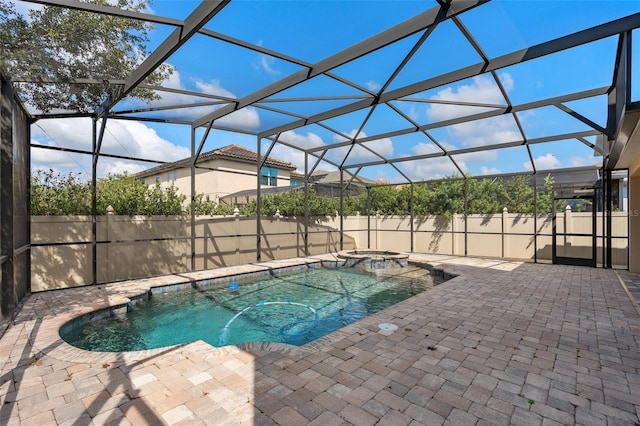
(140, 246)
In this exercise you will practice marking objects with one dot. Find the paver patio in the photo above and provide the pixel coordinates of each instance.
(501, 343)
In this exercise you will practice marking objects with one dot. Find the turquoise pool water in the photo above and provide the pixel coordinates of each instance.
(295, 309)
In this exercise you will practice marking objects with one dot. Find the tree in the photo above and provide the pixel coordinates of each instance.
(291, 203)
(204, 205)
(519, 194)
(57, 194)
(422, 199)
(125, 194)
(448, 197)
(384, 200)
(60, 44)
(129, 196)
(163, 200)
(545, 196)
(485, 196)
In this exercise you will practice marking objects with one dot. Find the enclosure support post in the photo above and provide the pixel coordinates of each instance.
(258, 204)
(466, 206)
(94, 250)
(192, 171)
(535, 219)
(607, 213)
(412, 217)
(505, 231)
(306, 204)
(633, 227)
(94, 196)
(594, 237)
(603, 196)
(554, 250)
(97, 145)
(368, 217)
(341, 209)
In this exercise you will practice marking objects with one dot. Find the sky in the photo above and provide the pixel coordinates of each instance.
(313, 30)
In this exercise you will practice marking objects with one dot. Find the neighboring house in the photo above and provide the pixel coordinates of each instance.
(328, 183)
(323, 182)
(221, 172)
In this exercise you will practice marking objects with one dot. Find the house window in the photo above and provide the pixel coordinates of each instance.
(295, 182)
(158, 178)
(168, 176)
(175, 174)
(268, 176)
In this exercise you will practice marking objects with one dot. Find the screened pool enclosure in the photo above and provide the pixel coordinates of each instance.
(437, 100)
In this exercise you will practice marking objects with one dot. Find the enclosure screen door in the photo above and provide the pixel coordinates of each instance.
(574, 231)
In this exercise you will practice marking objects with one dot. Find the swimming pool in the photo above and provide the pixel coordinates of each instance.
(294, 308)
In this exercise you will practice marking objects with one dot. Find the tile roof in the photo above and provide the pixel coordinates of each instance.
(323, 176)
(230, 152)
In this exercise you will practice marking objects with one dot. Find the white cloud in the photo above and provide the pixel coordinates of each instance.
(266, 63)
(478, 157)
(549, 161)
(247, 118)
(310, 140)
(427, 148)
(485, 132)
(507, 81)
(338, 155)
(414, 114)
(127, 138)
(139, 140)
(482, 89)
(112, 166)
(383, 147)
(295, 156)
(489, 170)
(490, 131)
(372, 85)
(59, 161)
(580, 161)
(431, 168)
(213, 87)
(244, 119)
(23, 8)
(543, 162)
(382, 176)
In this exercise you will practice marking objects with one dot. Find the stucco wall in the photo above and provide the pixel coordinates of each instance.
(228, 177)
(634, 221)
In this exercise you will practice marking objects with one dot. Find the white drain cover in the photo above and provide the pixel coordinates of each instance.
(387, 326)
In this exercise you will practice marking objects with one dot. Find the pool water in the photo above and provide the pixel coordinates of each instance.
(295, 309)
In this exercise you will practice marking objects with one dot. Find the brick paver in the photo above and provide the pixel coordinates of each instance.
(501, 343)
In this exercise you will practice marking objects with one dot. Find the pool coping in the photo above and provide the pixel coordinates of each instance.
(120, 294)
